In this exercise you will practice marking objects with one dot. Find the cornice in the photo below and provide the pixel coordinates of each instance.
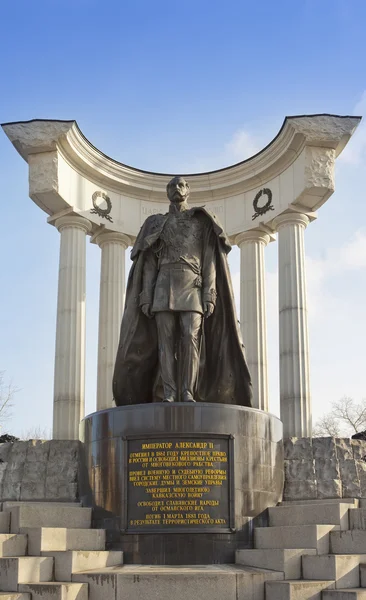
(36, 136)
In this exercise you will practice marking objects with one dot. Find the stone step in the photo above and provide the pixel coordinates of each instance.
(363, 573)
(357, 518)
(59, 539)
(311, 536)
(348, 542)
(299, 590)
(352, 501)
(4, 522)
(47, 515)
(313, 514)
(24, 569)
(13, 544)
(354, 594)
(286, 560)
(73, 561)
(362, 503)
(203, 582)
(56, 591)
(343, 568)
(14, 596)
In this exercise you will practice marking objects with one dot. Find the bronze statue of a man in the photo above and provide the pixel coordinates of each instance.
(179, 337)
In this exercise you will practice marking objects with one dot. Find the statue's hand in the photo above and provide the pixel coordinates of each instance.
(208, 308)
(146, 309)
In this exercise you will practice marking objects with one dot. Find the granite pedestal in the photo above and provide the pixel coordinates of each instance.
(181, 483)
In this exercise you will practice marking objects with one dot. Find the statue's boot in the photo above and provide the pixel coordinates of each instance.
(187, 397)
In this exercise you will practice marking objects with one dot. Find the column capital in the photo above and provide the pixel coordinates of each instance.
(105, 237)
(73, 221)
(253, 235)
(291, 218)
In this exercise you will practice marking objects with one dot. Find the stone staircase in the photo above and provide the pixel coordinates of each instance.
(310, 551)
(42, 545)
(319, 546)
(49, 552)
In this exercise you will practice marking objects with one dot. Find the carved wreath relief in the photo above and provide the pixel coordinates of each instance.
(98, 210)
(261, 210)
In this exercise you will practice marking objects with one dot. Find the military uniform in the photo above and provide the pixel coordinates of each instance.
(179, 276)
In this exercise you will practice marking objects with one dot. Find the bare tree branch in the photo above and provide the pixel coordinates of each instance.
(7, 393)
(346, 418)
(326, 426)
(351, 413)
(36, 433)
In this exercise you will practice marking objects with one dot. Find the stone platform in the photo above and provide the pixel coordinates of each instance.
(181, 483)
(206, 582)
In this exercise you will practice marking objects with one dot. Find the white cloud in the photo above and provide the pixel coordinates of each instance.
(337, 327)
(241, 146)
(353, 254)
(355, 152)
(349, 257)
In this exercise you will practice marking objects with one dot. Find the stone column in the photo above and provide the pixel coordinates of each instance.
(69, 384)
(111, 304)
(253, 311)
(293, 325)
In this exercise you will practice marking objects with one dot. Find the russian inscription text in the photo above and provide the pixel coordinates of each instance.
(178, 484)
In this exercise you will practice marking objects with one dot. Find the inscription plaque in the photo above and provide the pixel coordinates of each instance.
(179, 484)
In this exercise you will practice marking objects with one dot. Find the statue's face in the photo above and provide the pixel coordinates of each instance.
(178, 190)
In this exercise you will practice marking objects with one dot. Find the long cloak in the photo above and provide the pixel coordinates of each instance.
(223, 377)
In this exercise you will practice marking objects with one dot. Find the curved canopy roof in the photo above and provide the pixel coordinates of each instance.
(297, 168)
(322, 130)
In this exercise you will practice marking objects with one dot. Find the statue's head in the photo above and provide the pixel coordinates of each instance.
(177, 190)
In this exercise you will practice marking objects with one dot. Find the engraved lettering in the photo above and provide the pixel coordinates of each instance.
(178, 484)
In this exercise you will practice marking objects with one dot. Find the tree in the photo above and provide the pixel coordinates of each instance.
(36, 433)
(327, 425)
(7, 393)
(346, 418)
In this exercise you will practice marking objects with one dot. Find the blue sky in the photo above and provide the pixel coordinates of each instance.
(181, 87)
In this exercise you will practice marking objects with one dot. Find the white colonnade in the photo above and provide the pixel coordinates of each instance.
(295, 399)
(275, 192)
(111, 302)
(70, 333)
(69, 381)
(253, 310)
